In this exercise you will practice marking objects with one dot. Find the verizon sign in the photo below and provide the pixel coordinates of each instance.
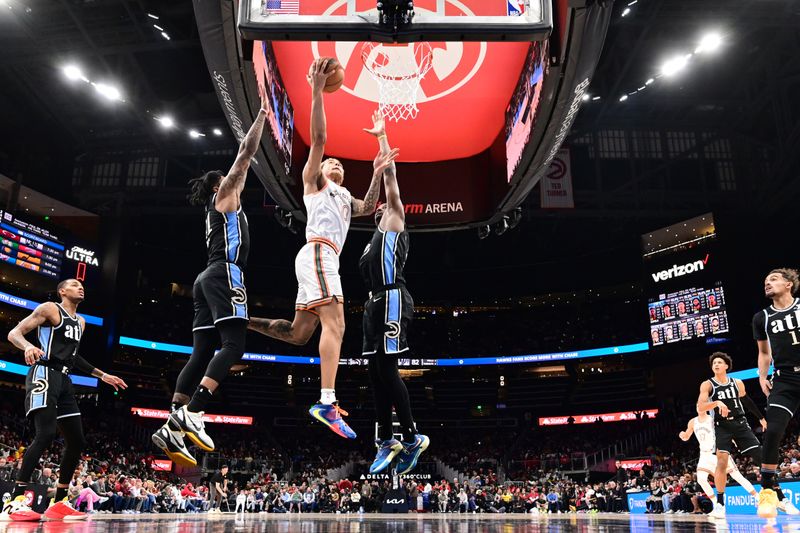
(207, 418)
(677, 271)
(591, 419)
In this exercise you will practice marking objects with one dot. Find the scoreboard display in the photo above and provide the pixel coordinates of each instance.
(30, 247)
(692, 313)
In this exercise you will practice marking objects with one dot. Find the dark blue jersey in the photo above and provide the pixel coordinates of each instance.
(227, 235)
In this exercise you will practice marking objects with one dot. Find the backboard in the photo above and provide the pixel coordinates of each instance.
(359, 20)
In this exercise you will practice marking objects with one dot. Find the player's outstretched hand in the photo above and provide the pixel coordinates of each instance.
(382, 161)
(683, 436)
(317, 76)
(378, 124)
(32, 354)
(766, 386)
(114, 381)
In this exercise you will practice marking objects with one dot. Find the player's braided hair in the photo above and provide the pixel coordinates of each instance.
(202, 187)
(789, 274)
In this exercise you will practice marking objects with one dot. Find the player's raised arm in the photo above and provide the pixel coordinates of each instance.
(313, 180)
(395, 217)
(44, 313)
(231, 186)
(368, 205)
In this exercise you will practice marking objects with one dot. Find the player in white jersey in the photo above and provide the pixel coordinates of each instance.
(319, 296)
(703, 428)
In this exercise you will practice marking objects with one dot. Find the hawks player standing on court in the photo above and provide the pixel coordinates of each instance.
(387, 316)
(728, 398)
(49, 395)
(702, 426)
(319, 295)
(777, 333)
(220, 301)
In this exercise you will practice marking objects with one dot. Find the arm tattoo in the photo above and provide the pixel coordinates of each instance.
(238, 173)
(277, 329)
(370, 202)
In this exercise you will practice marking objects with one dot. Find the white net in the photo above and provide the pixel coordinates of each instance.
(398, 69)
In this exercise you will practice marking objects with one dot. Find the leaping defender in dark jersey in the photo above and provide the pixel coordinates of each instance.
(387, 316)
(49, 394)
(220, 301)
(777, 332)
(728, 398)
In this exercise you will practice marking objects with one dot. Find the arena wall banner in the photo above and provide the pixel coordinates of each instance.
(161, 414)
(637, 502)
(22, 370)
(556, 188)
(623, 416)
(737, 500)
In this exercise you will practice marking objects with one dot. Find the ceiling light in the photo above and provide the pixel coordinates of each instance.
(626, 11)
(585, 97)
(166, 122)
(595, 98)
(710, 42)
(623, 97)
(194, 134)
(649, 81)
(72, 72)
(109, 91)
(164, 35)
(674, 65)
(159, 28)
(217, 132)
(152, 16)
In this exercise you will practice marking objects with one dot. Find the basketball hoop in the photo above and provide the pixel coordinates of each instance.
(398, 69)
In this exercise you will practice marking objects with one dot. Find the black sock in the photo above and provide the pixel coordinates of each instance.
(779, 492)
(19, 489)
(721, 498)
(201, 397)
(61, 493)
(767, 478)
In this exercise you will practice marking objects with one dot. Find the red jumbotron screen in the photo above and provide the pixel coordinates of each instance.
(162, 465)
(144, 412)
(635, 464)
(591, 419)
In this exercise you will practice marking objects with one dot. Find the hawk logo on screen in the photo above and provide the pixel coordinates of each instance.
(454, 64)
(240, 296)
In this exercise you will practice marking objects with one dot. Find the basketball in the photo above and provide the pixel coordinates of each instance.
(337, 79)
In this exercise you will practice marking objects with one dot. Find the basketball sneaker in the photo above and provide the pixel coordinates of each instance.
(767, 504)
(63, 511)
(387, 451)
(171, 443)
(718, 511)
(331, 416)
(411, 452)
(193, 426)
(18, 510)
(786, 506)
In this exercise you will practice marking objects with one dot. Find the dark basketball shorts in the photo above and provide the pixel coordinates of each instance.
(734, 433)
(785, 392)
(219, 294)
(46, 387)
(387, 318)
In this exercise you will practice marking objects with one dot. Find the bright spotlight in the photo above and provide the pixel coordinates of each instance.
(217, 132)
(649, 81)
(194, 134)
(710, 43)
(166, 122)
(164, 35)
(623, 97)
(108, 91)
(585, 97)
(674, 65)
(626, 12)
(72, 72)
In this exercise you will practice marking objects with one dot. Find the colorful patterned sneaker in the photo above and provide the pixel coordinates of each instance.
(18, 510)
(387, 451)
(331, 416)
(193, 426)
(411, 452)
(172, 444)
(767, 503)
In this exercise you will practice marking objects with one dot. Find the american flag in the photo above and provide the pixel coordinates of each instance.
(282, 7)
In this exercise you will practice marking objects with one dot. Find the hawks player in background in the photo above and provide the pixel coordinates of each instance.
(728, 398)
(320, 297)
(777, 333)
(702, 426)
(387, 317)
(49, 395)
(220, 301)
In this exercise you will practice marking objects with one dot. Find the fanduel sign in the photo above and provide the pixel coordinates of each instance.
(677, 271)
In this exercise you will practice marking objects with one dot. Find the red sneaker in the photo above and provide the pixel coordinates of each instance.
(63, 511)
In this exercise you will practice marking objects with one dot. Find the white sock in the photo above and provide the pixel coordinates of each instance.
(327, 396)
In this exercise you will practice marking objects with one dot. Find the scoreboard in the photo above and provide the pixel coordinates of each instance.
(30, 247)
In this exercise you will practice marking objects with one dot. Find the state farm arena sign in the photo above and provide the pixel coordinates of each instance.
(591, 419)
(207, 418)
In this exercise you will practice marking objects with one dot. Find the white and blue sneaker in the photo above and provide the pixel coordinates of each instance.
(411, 452)
(387, 451)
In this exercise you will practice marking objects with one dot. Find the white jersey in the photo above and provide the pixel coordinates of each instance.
(704, 433)
(329, 212)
